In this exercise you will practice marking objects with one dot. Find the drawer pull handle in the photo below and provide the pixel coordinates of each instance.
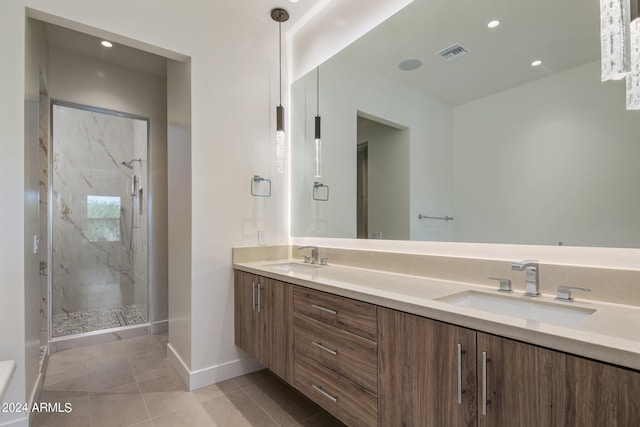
(319, 389)
(322, 347)
(326, 310)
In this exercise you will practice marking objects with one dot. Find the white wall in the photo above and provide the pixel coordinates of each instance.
(234, 90)
(82, 80)
(562, 166)
(179, 211)
(345, 90)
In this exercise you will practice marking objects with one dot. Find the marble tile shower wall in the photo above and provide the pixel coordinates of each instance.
(93, 267)
(43, 140)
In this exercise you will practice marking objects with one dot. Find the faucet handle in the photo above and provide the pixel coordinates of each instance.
(564, 292)
(307, 259)
(324, 261)
(505, 284)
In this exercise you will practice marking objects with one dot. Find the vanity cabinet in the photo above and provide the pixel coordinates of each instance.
(427, 372)
(432, 373)
(263, 321)
(525, 384)
(369, 365)
(336, 354)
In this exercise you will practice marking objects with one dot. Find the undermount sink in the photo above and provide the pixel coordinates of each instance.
(545, 312)
(295, 267)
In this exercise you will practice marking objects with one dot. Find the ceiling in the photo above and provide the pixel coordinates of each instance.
(563, 34)
(87, 45)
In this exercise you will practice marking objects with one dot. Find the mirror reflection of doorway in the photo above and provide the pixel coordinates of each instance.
(382, 179)
(363, 211)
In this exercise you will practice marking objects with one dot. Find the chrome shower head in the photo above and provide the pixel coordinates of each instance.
(129, 164)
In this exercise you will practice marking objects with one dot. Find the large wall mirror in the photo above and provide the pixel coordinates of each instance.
(486, 146)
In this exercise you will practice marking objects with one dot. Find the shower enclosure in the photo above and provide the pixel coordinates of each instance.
(98, 219)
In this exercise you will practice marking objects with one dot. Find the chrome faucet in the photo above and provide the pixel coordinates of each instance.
(532, 277)
(314, 253)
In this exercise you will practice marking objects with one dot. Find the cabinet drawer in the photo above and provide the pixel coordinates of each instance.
(344, 313)
(349, 355)
(346, 400)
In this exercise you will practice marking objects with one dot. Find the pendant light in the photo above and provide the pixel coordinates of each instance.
(280, 16)
(614, 38)
(318, 140)
(633, 78)
(620, 45)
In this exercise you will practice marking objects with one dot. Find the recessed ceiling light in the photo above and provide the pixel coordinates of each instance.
(410, 64)
(106, 43)
(493, 24)
(536, 63)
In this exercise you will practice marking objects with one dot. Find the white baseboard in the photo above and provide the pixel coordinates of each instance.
(213, 374)
(160, 327)
(179, 365)
(35, 394)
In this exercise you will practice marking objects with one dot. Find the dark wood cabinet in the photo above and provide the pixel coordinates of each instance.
(601, 394)
(336, 354)
(263, 321)
(525, 384)
(529, 385)
(427, 374)
(367, 364)
(498, 382)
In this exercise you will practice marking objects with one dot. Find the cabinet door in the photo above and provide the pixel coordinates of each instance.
(245, 318)
(420, 383)
(525, 384)
(276, 320)
(601, 394)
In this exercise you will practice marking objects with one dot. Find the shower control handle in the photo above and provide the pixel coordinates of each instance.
(134, 185)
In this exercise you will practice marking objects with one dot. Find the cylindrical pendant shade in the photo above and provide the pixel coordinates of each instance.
(633, 78)
(614, 35)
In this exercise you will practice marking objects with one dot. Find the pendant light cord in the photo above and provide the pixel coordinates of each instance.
(280, 57)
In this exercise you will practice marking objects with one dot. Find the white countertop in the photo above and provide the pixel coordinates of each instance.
(611, 334)
(7, 369)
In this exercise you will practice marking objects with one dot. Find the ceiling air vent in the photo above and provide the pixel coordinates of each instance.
(452, 52)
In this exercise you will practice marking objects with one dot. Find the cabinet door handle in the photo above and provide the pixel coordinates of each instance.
(322, 347)
(259, 303)
(326, 310)
(484, 383)
(460, 353)
(319, 389)
(253, 292)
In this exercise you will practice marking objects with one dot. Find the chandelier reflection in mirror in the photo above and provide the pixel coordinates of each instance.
(620, 46)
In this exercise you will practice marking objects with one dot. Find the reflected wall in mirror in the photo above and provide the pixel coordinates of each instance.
(516, 154)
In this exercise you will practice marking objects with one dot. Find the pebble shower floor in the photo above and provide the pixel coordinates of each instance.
(88, 321)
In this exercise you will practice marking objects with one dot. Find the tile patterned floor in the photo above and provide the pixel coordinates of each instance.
(130, 383)
(88, 321)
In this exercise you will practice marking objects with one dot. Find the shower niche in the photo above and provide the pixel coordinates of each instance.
(98, 220)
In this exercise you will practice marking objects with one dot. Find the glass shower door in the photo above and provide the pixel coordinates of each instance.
(98, 220)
